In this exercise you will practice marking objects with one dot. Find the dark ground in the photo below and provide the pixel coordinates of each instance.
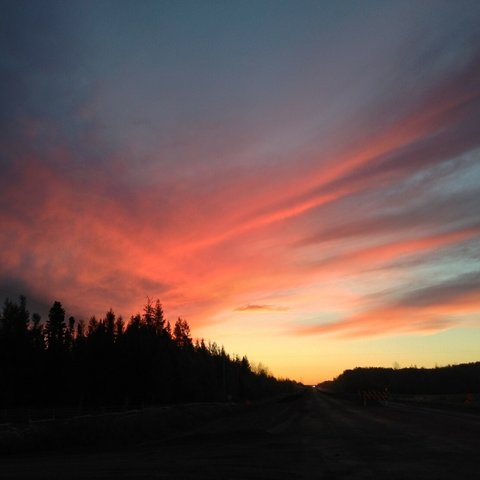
(315, 436)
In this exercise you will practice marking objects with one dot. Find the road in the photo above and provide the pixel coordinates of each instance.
(316, 436)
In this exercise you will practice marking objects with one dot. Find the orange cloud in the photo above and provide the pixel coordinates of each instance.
(257, 308)
(437, 315)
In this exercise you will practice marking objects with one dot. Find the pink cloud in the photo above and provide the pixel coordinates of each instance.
(209, 242)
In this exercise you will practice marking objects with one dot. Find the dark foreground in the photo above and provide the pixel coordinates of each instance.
(315, 436)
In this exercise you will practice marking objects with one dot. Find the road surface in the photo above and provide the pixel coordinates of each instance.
(316, 436)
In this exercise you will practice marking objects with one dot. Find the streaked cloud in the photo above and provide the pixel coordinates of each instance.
(424, 309)
(312, 163)
(463, 288)
(256, 308)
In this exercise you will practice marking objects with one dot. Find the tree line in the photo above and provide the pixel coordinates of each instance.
(463, 378)
(107, 361)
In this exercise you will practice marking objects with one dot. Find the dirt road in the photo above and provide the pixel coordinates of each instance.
(316, 436)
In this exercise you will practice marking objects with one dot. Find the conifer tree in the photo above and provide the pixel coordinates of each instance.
(181, 333)
(55, 328)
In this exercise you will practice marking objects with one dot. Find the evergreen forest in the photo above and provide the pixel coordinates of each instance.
(108, 361)
(459, 379)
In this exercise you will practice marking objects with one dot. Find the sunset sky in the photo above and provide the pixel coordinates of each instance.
(299, 180)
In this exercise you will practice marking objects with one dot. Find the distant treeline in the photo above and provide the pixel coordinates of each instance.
(107, 361)
(461, 378)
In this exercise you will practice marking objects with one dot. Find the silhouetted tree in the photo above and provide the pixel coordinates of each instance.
(37, 333)
(181, 333)
(119, 328)
(55, 327)
(109, 361)
(15, 351)
(110, 320)
(69, 333)
(450, 379)
(158, 317)
(148, 313)
(80, 329)
(57, 359)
